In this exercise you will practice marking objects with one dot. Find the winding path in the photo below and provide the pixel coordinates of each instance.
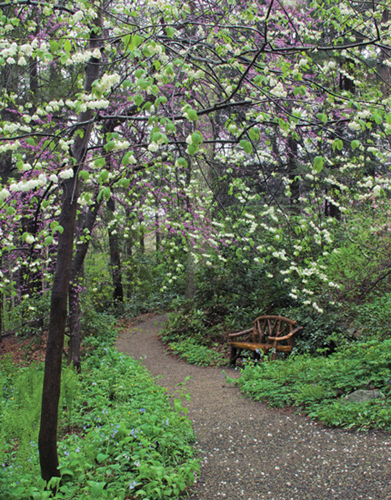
(251, 452)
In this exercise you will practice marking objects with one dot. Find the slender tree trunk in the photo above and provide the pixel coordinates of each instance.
(75, 321)
(141, 238)
(77, 276)
(115, 258)
(58, 315)
(128, 254)
(47, 441)
(292, 155)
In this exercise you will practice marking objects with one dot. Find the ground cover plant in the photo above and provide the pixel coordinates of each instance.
(119, 436)
(318, 385)
(196, 354)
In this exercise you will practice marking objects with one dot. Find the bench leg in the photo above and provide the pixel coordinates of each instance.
(233, 358)
(235, 354)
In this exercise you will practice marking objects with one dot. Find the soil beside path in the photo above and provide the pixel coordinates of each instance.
(251, 452)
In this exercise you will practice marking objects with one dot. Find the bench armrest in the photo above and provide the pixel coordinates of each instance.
(286, 336)
(234, 335)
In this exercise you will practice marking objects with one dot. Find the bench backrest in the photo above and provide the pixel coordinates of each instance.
(271, 326)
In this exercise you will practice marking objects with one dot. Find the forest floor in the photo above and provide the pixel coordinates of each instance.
(248, 451)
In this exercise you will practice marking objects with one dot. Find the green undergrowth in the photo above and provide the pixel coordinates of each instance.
(120, 436)
(318, 385)
(196, 354)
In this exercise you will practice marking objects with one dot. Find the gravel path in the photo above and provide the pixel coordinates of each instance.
(251, 452)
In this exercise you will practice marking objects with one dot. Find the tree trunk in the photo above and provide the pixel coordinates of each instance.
(88, 222)
(115, 258)
(47, 440)
(58, 314)
(75, 321)
(191, 282)
(292, 155)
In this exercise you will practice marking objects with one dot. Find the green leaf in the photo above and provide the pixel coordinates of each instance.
(136, 40)
(318, 164)
(147, 105)
(254, 134)
(66, 471)
(96, 488)
(103, 176)
(101, 457)
(355, 144)
(170, 127)
(192, 115)
(246, 145)
(100, 162)
(196, 138)
(138, 100)
(299, 90)
(125, 159)
(106, 193)
(30, 141)
(67, 46)
(322, 117)
(60, 229)
(170, 31)
(48, 240)
(125, 183)
(337, 144)
(83, 174)
(109, 146)
(192, 149)
(181, 162)
(378, 119)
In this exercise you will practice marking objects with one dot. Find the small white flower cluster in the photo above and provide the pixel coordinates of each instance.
(78, 58)
(4, 193)
(54, 106)
(8, 146)
(66, 174)
(118, 145)
(106, 82)
(24, 186)
(78, 16)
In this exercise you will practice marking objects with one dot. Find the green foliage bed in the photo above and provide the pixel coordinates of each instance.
(318, 385)
(119, 436)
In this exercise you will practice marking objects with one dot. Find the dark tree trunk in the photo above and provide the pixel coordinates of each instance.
(115, 258)
(58, 315)
(128, 253)
(292, 156)
(75, 321)
(47, 440)
(88, 222)
(141, 238)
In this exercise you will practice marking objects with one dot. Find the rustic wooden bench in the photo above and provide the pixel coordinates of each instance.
(274, 333)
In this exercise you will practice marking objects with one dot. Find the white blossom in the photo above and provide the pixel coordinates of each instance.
(66, 174)
(4, 193)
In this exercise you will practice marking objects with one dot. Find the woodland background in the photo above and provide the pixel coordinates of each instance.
(221, 160)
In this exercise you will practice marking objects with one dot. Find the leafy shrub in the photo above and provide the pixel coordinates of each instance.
(130, 440)
(197, 354)
(372, 320)
(321, 332)
(317, 384)
(30, 315)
